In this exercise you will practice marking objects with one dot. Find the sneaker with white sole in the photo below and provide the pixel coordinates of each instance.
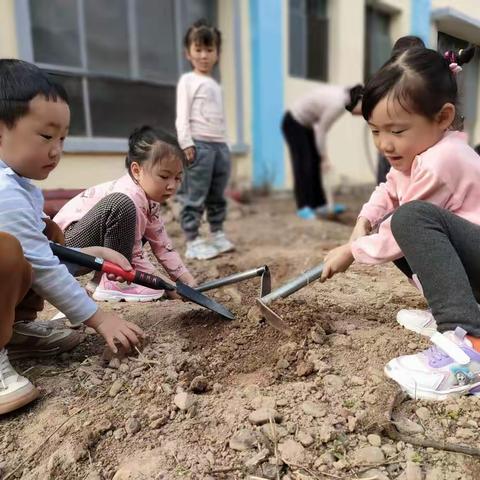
(418, 321)
(200, 249)
(448, 369)
(111, 291)
(41, 339)
(220, 242)
(15, 390)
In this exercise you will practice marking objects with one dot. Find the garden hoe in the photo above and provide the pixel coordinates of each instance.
(284, 291)
(263, 272)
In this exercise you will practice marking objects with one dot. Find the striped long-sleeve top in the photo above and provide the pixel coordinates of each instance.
(21, 213)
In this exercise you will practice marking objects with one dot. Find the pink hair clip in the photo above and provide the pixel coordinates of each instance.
(455, 68)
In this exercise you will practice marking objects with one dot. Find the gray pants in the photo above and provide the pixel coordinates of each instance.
(444, 251)
(204, 187)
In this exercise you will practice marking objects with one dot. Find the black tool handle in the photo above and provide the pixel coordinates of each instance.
(76, 257)
(152, 281)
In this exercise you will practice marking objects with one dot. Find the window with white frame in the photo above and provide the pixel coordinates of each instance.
(119, 60)
(378, 43)
(308, 39)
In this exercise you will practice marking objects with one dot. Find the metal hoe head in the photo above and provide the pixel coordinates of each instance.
(284, 291)
(273, 319)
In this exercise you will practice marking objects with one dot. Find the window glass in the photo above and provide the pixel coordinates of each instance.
(378, 44)
(107, 36)
(308, 39)
(55, 35)
(117, 106)
(156, 40)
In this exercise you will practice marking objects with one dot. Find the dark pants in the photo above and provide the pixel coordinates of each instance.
(204, 188)
(444, 251)
(305, 163)
(110, 223)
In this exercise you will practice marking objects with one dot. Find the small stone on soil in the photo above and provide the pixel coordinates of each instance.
(183, 400)
(313, 409)
(243, 440)
(264, 415)
(115, 388)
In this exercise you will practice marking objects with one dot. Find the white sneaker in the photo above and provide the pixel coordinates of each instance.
(201, 250)
(418, 321)
(221, 242)
(15, 390)
(450, 368)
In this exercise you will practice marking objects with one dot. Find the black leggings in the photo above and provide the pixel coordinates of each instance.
(305, 163)
(110, 223)
(443, 249)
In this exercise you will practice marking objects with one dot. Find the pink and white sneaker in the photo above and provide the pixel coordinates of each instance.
(110, 291)
(450, 368)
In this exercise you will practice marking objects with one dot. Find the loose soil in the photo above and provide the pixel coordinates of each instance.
(325, 382)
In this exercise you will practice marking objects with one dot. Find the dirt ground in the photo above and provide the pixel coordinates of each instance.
(213, 399)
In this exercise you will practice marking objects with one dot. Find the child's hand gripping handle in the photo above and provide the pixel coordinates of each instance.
(101, 265)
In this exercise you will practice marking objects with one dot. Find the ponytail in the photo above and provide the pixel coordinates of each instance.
(461, 57)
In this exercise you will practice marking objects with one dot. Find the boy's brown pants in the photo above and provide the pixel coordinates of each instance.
(17, 301)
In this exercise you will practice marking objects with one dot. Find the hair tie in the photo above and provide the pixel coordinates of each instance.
(455, 68)
(450, 56)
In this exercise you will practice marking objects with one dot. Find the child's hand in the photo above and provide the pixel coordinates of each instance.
(115, 330)
(337, 260)
(111, 256)
(188, 279)
(190, 154)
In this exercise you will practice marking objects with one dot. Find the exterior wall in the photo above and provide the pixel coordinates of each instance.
(348, 141)
(242, 162)
(8, 33)
(84, 170)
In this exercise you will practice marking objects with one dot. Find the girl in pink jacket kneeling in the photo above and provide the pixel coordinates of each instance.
(425, 218)
(125, 213)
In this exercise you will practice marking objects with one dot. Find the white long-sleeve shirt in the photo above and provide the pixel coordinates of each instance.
(319, 109)
(200, 113)
(21, 212)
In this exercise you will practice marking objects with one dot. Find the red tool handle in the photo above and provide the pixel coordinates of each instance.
(109, 267)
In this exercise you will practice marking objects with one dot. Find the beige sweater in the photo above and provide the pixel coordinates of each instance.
(319, 109)
(200, 113)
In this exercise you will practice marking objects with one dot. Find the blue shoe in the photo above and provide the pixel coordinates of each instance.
(324, 211)
(306, 213)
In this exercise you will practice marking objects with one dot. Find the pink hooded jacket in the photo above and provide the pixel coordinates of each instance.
(149, 223)
(447, 175)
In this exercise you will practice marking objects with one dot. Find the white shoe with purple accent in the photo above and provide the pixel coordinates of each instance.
(450, 368)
